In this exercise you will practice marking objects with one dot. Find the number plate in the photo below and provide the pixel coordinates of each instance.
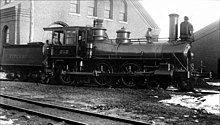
(64, 52)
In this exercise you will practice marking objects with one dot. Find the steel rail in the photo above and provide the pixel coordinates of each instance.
(94, 116)
(68, 121)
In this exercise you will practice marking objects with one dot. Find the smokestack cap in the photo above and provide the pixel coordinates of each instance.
(174, 14)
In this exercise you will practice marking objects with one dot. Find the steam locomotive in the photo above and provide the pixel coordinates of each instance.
(86, 54)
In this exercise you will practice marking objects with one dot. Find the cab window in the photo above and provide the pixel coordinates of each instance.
(58, 38)
(71, 38)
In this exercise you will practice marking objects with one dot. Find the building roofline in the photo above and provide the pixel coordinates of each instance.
(213, 27)
(148, 20)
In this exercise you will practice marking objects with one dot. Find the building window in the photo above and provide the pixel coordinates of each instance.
(5, 33)
(74, 6)
(7, 36)
(8, 1)
(123, 11)
(108, 9)
(92, 8)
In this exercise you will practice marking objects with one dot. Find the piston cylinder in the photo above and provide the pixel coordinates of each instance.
(123, 36)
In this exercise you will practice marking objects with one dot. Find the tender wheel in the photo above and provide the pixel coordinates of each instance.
(103, 68)
(10, 76)
(130, 81)
(22, 76)
(33, 76)
(44, 78)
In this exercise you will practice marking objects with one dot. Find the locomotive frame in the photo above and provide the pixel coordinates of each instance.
(87, 54)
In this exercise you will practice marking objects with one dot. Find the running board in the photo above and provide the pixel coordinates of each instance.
(97, 73)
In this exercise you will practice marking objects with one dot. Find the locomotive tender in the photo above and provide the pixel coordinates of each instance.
(87, 54)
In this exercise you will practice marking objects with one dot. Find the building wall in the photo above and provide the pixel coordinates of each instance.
(17, 18)
(60, 11)
(8, 18)
(46, 13)
(206, 48)
(23, 23)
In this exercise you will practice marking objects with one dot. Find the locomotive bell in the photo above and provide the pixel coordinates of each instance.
(97, 23)
(123, 36)
(98, 30)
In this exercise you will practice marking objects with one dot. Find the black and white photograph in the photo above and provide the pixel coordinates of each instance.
(109, 62)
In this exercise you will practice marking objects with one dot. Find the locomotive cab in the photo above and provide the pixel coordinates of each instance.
(68, 48)
(68, 42)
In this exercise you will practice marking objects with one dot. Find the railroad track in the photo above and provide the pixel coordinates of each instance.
(59, 113)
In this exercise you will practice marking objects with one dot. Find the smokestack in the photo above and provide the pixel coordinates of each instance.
(173, 27)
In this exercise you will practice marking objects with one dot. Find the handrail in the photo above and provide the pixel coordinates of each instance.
(179, 61)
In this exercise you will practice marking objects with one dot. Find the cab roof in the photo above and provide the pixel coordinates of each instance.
(65, 28)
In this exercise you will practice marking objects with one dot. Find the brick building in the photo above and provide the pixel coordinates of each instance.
(23, 21)
(206, 48)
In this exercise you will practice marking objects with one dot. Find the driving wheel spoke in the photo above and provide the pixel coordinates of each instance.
(103, 68)
(64, 78)
(129, 69)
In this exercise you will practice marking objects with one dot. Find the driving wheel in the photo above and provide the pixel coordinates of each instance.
(129, 69)
(103, 68)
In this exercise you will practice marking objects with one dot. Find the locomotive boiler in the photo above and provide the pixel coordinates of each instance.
(87, 54)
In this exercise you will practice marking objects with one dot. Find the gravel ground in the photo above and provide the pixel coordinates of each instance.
(138, 104)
